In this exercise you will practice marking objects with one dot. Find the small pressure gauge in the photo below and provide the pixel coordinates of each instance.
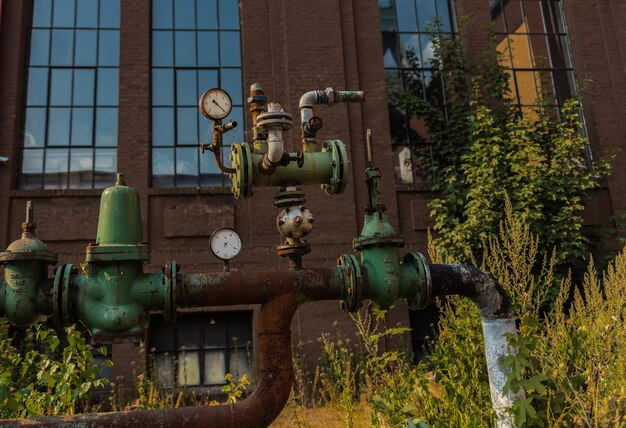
(215, 104)
(225, 243)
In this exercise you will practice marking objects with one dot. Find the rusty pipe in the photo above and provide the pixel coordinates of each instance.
(245, 287)
(259, 409)
(497, 317)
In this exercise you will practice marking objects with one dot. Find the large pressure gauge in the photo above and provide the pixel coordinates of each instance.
(225, 243)
(215, 104)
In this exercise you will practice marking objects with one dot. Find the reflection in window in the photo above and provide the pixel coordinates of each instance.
(409, 28)
(70, 121)
(195, 46)
(201, 348)
(532, 38)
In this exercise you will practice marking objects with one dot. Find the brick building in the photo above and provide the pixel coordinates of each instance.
(91, 87)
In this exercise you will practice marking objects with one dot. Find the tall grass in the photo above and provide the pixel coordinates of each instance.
(571, 352)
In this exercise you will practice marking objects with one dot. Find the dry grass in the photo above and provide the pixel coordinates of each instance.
(320, 417)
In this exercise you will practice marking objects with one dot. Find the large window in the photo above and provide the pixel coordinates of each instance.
(201, 348)
(532, 38)
(195, 46)
(409, 27)
(70, 126)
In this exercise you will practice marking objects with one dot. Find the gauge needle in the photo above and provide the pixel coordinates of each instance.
(222, 108)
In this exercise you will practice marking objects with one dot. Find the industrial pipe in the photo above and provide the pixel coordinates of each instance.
(259, 409)
(497, 317)
(328, 97)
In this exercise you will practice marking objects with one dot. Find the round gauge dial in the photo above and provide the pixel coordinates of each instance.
(225, 243)
(215, 104)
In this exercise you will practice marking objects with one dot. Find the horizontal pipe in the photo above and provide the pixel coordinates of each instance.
(249, 287)
(259, 409)
(498, 321)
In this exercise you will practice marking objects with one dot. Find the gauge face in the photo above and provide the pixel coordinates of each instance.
(225, 243)
(215, 104)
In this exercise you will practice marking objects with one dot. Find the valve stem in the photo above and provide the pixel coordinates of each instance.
(29, 226)
(370, 150)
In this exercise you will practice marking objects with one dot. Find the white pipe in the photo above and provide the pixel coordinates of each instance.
(496, 349)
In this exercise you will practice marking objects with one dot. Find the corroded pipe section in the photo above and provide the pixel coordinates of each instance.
(496, 312)
(247, 287)
(259, 409)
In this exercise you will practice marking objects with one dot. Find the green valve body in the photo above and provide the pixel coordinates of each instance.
(25, 268)
(328, 168)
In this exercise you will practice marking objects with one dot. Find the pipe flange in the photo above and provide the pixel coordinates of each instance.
(169, 271)
(241, 161)
(425, 287)
(275, 117)
(351, 271)
(61, 295)
(339, 159)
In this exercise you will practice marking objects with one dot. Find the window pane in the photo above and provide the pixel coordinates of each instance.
(106, 127)
(87, 13)
(108, 48)
(32, 169)
(189, 368)
(188, 333)
(86, 47)
(162, 48)
(84, 87)
(81, 168)
(37, 91)
(110, 13)
(240, 329)
(62, 47)
(214, 367)
(230, 55)
(39, 45)
(410, 48)
(42, 13)
(238, 363)
(187, 126)
(187, 167)
(207, 14)
(163, 167)
(443, 11)
(185, 48)
(426, 14)
(59, 127)
(205, 131)
(35, 127)
(163, 127)
(162, 14)
(56, 169)
(104, 171)
(82, 126)
(405, 14)
(229, 14)
(107, 86)
(162, 87)
(63, 13)
(164, 370)
(214, 330)
(186, 88)
(207, 79)
(207, 49)
(61, 87)
(184, 14)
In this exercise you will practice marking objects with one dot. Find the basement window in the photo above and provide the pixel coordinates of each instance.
(200, 349)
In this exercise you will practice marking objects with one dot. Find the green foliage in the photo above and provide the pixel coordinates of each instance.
(483, 149)
(43, 379)
(571, 363)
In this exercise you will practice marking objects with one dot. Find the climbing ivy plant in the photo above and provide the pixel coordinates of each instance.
(483, 148)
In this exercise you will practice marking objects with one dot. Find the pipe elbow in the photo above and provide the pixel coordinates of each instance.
(480, 287)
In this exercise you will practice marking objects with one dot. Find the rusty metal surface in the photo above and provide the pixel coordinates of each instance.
(242, 288)
(463, 280)
(258, 410)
